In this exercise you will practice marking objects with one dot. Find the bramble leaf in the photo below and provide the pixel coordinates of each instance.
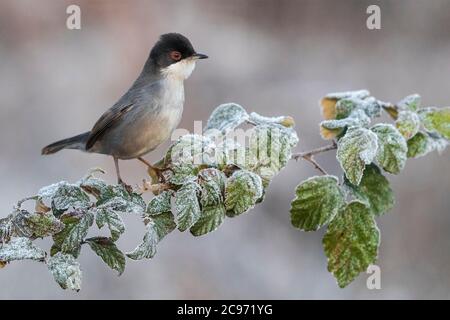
(242, 191)
(112, 219)
(374, 190)
(317, 201)
(76, 233)
(408, 123)
(187, 206)
(436, 120)
(419, 145)
(65, 270)
(409, 103)
(158, 226)
(328, 103)
(20, 249)
(226, 117)
(355, 150)
(63, 196)
(108, 251)
(351, 242)
(392, 148)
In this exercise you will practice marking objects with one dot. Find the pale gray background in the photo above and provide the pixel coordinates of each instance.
(273, 57)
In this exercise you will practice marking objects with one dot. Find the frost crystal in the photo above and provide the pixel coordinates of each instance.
(226, 117)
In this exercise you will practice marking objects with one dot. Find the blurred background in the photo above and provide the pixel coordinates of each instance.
(274, 57)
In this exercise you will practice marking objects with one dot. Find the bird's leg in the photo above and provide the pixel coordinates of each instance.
(152, 170)
(119, 179)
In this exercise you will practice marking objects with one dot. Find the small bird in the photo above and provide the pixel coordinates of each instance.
(146, 115)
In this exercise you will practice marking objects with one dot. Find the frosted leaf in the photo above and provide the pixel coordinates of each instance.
(77, 233)
(63, 196)
(285, 121)
(328, 103)
(356, 149)
(187, 206)
(6, 229)
(392, 148)
(158, 226)
(94, 186)
(108, 252)
(159, 204)
(436, 121)
(242, 191)
(351, 242)
(374, 190)
(65, 270)
(409, 103)
(210, 219)
(317, 201)
(183, 173)
(226, 118)
(117, 198)
(190, 149)
(35, 225)
(419, 145)
(329, 129)
(212, 183)
(20, 249)
(269, 150)
(408, 123)
(110, 218)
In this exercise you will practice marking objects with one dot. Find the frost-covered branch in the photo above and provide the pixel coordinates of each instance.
(211, 177)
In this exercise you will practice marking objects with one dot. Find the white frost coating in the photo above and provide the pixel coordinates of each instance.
(357, 118)
(21, 249)
(147, 248)
(259, 119)
(360, 94)
(66, 271)
(47, 192)
(226, 117)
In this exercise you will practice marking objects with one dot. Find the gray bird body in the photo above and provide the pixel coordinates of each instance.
(147, 114)
(155, 107)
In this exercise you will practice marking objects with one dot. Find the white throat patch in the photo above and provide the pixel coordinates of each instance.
(180, 70)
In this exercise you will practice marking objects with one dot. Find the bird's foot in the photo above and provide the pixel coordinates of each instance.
(126, 186)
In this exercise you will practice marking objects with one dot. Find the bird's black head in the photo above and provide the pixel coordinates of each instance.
(172, 48)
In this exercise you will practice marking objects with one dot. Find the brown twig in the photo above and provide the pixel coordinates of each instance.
(309, 155)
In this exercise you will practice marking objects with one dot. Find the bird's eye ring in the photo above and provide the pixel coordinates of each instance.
(175, 55)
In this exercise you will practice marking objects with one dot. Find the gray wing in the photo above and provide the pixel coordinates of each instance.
(108, 120)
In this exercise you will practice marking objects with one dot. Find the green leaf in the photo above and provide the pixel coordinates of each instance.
(408, 123)
(21, 249)
(351, 242)
(242, 191)
(70, 220)
(187, 206)
(117, 198)
(436, 120)
(190, 149)
(330, 129)
(226, 118)
(64, 196)
(110, 218)
(409, 103)
(212, 182)
(183, 173)
(6, 229)
(159, 204)
(65, 270)
(419, 145)
(355, 150)
(108, 251)
(329, 102)
(269, 150)
(210, 219)
(158, 226)
(94, 186)
(374, 190)
(22, 223)
(317, 201)
(392, 148)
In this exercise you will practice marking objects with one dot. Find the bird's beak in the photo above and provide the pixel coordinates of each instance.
(199, 56)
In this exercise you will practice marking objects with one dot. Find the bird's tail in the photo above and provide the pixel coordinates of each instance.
(76, 142)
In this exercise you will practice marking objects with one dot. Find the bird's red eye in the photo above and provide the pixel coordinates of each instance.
(175, 55)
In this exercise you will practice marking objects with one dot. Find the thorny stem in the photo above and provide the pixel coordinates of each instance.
(309, 155)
